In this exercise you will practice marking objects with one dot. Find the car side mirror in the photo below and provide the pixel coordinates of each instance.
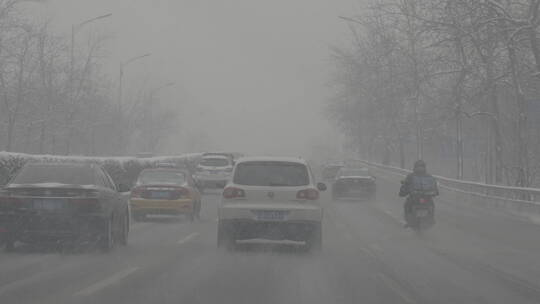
(321, 186)
(123, 188)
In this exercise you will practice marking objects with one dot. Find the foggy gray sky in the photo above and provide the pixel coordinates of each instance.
(250, 74)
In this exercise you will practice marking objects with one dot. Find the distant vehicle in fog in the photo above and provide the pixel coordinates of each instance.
(233, 156)
(59, 203)
(165, 191)
(330, 171)
(213, 171)
(272, 198)
(167, 165)
(354, 183)
(145, 155)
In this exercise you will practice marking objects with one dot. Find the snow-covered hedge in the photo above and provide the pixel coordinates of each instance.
(124, 170)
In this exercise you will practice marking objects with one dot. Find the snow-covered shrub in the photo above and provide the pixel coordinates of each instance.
(123, 170)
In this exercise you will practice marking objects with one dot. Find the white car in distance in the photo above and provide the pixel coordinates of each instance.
(272, 198)
(213, 171)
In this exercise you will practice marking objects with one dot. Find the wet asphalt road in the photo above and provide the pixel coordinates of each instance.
(470, 256)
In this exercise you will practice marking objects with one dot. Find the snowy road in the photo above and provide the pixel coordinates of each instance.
(470, 256)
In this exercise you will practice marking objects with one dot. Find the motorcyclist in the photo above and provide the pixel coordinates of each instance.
(408, 185)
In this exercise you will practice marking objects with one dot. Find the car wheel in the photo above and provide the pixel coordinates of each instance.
(224, 239)
(198, 213)
(107, 237)
(9, 245)
(124, 232)
(315, 241)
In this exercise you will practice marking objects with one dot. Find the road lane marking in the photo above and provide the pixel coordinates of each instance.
(188, 238)
(36, 277)
(137, 226)
(393, 216)
(394, 286)
(115, 278)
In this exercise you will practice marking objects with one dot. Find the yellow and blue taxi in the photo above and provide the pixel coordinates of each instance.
(165, 191)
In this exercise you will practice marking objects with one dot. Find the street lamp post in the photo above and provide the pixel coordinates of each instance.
(151, 114)
(154, 90)
(350, 19)
(74, 29)
(489, 153)
(121, 76)
(459, 141)
(489, 143)
(120, 88)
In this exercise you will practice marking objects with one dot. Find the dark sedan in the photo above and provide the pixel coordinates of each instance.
(57, 203)
(354, 184)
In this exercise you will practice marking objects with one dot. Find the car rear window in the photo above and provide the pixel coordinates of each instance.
(161, 177)
(354, 172)
(72, 175)
(214, 162)
(285, 174)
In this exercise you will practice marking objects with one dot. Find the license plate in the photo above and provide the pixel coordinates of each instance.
(270, 215)
(49, 204)
(422, 213)
(160, 194)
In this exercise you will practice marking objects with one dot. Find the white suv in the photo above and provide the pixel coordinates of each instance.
(213, 171)
(273, 198)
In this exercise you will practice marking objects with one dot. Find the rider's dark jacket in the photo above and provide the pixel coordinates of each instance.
(413, 179)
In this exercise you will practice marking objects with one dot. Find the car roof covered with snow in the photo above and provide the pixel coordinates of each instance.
(298, 160)
(215, 156)
(60, 164)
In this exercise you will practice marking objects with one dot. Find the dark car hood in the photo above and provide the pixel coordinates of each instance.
(49, 186)
(355, 177)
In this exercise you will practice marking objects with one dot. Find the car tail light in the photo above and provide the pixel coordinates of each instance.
(86, 204)
(233, 192)
(7, 202)
(180, 193)
(423, 200)
(308, 194)
(91, 193)
(137, 192)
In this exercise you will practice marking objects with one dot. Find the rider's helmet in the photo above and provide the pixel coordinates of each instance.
(419, 167)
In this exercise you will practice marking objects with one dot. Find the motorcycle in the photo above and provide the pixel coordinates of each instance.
(422, 210)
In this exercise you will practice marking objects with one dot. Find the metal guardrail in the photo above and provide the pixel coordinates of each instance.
(511, 194)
